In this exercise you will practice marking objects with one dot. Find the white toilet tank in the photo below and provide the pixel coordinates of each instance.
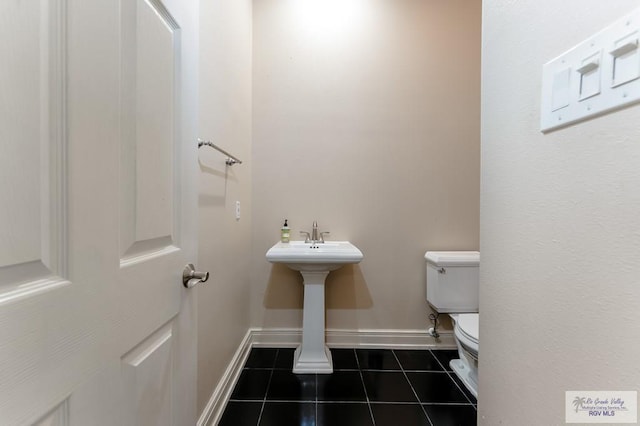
(453, 279)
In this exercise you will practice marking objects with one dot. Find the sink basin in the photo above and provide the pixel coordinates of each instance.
(314, 262)
(327, 256)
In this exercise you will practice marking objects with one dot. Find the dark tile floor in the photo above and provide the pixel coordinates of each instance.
(367, 387)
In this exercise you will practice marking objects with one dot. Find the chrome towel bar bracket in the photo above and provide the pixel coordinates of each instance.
(231, 160)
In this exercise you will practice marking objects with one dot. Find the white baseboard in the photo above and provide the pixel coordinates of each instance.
(339, 338)
(215, 406)
(292, 337)
(389, 339)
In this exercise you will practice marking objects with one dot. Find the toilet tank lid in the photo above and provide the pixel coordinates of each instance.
(453, 258)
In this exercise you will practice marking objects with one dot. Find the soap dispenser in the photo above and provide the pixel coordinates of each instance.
(285, 232)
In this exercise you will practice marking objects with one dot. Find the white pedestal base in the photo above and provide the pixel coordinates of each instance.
(313, 356)
(321, 363)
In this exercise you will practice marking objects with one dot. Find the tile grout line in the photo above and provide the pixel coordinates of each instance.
(438, 361)
(411, 386)
(367, 401)
(264, 400)
(366, 394)
(454, 382)
(329, 401)
(381, 370)
(450, 404)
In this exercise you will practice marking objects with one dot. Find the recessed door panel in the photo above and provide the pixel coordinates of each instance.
(59, 416)
(32, 168)
(149, 72)
(148, 380)
(21, 133)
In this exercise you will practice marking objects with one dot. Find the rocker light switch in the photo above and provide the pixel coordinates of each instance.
(589, 77)
(626, 60)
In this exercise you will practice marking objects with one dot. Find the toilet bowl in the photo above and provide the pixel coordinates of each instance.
(466, 330)
(452, 288)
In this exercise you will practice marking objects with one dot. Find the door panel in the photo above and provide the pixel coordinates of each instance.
(23, 126)
(57, 417)
(97, 177)
(157, 175)
(33, 233)
(32, 169)
(148, 380)
(150, 57)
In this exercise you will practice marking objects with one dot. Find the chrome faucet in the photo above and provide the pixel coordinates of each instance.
(307, 236)
(313, 236)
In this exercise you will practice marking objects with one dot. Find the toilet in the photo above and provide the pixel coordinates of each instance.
(452, 288)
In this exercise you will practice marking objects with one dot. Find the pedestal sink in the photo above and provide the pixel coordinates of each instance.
(314, 261)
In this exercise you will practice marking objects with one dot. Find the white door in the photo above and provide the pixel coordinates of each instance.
(97, 212)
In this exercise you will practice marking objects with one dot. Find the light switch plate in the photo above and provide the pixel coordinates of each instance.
(599, 75)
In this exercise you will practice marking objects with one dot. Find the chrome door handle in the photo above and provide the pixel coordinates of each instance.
(191, 277)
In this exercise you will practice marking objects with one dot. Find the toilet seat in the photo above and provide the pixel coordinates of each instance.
(467, 331)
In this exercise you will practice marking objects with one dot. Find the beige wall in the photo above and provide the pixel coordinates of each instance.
(559, 224)
(224, 250)
(366, 119)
